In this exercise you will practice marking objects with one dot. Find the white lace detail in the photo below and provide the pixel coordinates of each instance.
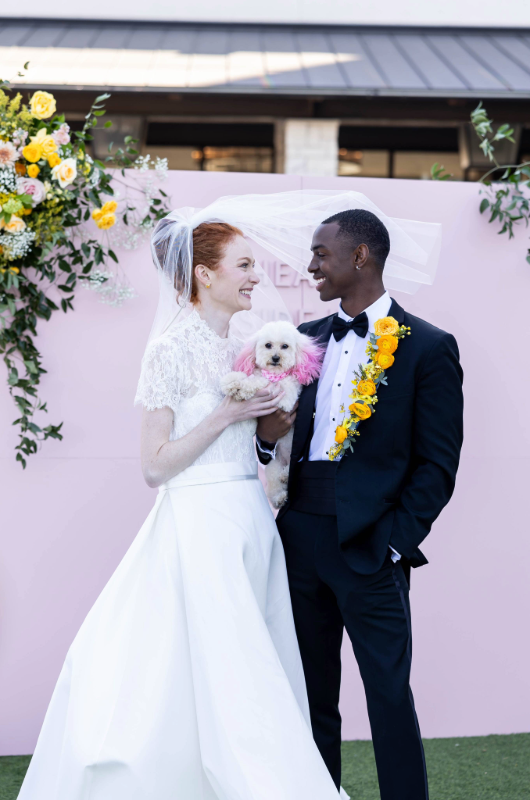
(182, 370)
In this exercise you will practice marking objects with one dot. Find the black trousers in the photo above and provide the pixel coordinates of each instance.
(327, 595)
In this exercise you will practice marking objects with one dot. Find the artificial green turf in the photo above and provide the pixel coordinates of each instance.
(476, 768)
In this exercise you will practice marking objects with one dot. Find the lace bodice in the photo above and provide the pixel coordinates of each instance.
(182, 370)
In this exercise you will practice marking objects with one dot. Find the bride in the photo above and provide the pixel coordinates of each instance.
(185, 679)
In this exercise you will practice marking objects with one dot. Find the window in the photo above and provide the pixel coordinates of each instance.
(214, 147)
(397, 151)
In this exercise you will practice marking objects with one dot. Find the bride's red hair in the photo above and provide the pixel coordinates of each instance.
(210, 240)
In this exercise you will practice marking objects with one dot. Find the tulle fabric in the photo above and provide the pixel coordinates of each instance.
(281, 223)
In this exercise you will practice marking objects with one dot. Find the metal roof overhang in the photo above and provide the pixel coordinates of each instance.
(288, 60)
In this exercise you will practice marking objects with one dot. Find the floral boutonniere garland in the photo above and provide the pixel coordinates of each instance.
(380, 350)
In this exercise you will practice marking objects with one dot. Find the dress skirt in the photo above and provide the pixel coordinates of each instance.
(185, 680)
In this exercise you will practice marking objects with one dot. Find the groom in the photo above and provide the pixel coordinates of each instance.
(351, 529)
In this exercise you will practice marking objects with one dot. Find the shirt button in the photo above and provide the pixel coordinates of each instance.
(345, 352)
(338, 384)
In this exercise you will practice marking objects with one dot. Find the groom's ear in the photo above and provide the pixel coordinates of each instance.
(360, 256)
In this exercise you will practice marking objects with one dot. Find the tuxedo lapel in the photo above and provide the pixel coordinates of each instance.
(306, 402)
(397, 312)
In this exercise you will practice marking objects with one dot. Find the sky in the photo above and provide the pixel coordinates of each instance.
(476, 13)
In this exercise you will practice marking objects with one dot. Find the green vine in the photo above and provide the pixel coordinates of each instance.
(507, 197)
(46, 248)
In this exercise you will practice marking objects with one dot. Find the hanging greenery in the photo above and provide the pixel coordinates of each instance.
(59, 209)
(506, 187)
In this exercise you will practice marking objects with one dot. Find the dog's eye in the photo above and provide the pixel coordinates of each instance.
(268, 345)
(285, 346)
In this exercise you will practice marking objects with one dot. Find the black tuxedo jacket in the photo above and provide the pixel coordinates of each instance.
(402, 472)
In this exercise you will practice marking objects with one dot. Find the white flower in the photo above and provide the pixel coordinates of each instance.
(33, 187)
(65, 172)
(62, 135)
(15, 224)
(8, 154)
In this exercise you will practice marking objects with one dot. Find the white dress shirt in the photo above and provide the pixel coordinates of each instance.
(335, 384)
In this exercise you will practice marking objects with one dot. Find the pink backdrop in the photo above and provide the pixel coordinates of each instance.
(69, 518)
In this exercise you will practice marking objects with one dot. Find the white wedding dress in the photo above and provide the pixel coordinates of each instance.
(185, 680)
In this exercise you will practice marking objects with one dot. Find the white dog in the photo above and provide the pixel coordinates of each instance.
(277, 353)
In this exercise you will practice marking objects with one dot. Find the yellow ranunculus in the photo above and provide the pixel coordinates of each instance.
(366, 387)
(385, 360)
(106, 221)
(15, 270)
(42, 105)
(46, 142)
(361, 410)
(65, 172)
(387, 344)
(97, 214)
(387, 326)
(32, 152)
(109, 207)
(33, 170)
(54, 160)
(341, 434)
(15, 225)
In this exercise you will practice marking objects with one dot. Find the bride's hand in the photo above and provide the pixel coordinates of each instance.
(264, 402)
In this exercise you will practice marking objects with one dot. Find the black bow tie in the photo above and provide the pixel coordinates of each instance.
(340, 327)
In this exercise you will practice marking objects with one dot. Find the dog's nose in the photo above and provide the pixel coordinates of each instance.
(275, 359)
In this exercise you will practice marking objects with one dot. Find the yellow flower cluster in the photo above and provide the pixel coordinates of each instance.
(380, 349)
(105, 217)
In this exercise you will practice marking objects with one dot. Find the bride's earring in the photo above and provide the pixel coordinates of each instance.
(208, 285)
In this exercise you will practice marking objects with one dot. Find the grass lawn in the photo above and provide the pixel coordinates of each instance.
(476, 768)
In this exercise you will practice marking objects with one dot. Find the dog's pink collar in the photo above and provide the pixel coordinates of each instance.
(274, 377)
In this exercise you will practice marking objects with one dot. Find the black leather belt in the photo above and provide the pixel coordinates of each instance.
(314, 489)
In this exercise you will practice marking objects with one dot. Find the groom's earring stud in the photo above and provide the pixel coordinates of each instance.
(357, 266)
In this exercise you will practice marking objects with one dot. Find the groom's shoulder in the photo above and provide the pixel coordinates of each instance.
(426, 334)
(314, 325)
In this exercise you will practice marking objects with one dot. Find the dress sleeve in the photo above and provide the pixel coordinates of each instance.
(160, 381)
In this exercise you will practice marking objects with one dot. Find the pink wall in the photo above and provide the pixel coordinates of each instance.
(68, 519)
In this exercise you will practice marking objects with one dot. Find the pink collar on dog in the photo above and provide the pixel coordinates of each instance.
(274, 377)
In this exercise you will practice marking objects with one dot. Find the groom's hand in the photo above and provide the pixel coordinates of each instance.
(275, 425)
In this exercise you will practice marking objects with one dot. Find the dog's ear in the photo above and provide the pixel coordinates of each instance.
(246, 360)
(309, 359)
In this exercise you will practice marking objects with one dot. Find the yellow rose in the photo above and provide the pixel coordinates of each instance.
(47, 143)
(15, 270)
(366, 387)
(106, 221)
(32, 152)
(341, 434)
(53, 160)
(33, 170)
(42, 105)
(109, 207)
(387, 344)
(361, 410)
(387, 326)
(385, 360)
(97, 214)
(20, 168)
(65, 172)
(15, 225)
